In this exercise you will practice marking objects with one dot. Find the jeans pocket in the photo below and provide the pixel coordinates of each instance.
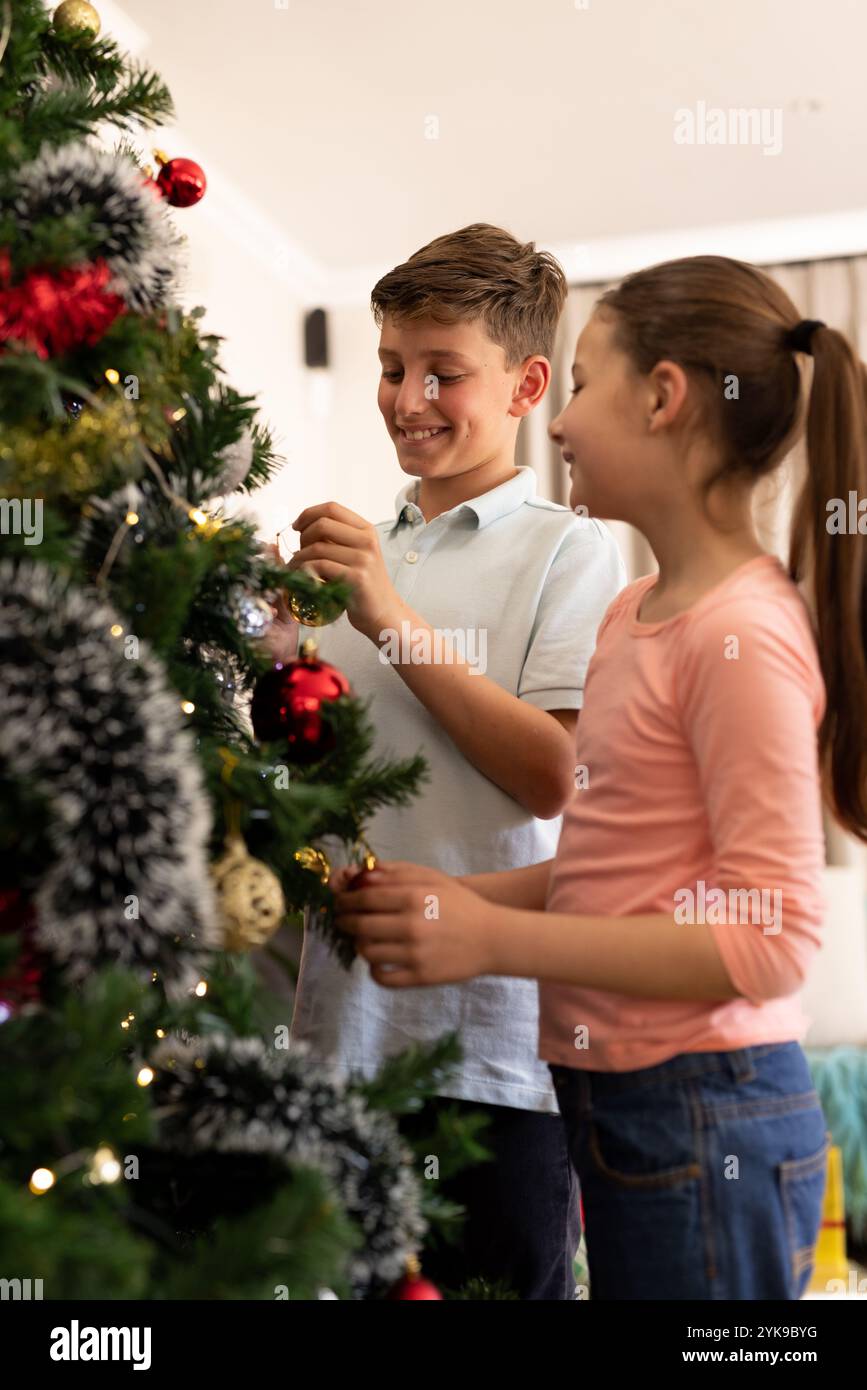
(802, 1189)
(650, 1148)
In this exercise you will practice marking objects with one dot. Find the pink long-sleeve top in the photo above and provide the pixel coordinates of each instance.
(698, 740)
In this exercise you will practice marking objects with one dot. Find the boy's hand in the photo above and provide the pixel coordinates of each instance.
(341, 545)
(426, 926)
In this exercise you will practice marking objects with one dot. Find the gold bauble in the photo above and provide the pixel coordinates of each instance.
(250, 898)
(304, 611)
(77, 14)
(310, 611)
(314, 861)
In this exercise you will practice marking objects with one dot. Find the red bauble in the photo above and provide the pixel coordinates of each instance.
(414, 1286)
(182, 182)
(21, 985)
(287, 703)
(51, 312)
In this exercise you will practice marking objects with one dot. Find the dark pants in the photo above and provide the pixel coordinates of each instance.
(522, 1224)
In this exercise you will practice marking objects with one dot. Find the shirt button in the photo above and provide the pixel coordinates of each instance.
(411, 556)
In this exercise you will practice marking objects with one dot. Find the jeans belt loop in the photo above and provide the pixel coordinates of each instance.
(742, 1064)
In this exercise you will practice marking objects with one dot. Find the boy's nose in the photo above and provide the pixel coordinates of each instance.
(411, 399)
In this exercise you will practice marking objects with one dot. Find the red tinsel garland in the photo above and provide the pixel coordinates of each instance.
(51, 312)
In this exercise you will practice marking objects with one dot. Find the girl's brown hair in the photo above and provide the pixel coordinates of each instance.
(480, 272)
(724, 320)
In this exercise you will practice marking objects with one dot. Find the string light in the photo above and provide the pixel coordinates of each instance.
(187, 706)
(104, 1166)
(116, 630)
(145, 1076)
(112, 375)
(161, 1032)
(201, 989)
(125, 1022)
(40, 1181)
(131, 518)
(205, 524)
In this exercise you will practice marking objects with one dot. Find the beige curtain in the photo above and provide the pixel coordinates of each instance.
(832, 290)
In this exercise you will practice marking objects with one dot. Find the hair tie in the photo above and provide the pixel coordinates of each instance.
(797, 339)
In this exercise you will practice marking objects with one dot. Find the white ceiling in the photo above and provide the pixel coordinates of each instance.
(555, 120)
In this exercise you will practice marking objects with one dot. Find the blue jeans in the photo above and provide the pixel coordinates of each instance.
(702, 1177)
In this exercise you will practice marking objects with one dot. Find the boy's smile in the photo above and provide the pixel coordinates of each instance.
(421, 434)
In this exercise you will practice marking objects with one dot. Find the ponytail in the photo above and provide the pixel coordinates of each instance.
(837, 557)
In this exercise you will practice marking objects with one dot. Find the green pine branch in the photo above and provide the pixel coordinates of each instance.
(59, 86)
(81, 59)
(404, 1081)
(287, 1248)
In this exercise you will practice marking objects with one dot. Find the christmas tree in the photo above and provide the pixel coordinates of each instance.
(160, 1139)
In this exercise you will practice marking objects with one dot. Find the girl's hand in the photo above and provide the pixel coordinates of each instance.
(340, 879)
(424, 925)
(338, 544)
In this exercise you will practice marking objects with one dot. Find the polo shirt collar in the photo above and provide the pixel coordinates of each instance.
(488, 506)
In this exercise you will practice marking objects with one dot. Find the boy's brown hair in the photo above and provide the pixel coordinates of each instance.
(480, 272)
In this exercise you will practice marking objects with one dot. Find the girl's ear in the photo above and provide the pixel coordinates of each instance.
(669, 385)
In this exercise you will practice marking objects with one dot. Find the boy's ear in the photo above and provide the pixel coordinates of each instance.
(534, 381)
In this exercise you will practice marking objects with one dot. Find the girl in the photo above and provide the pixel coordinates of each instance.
(672, 931)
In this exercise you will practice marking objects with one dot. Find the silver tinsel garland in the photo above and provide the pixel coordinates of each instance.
(235, 462)
(100, 736)
(252, 1098)
(138, 239)
(236, 459)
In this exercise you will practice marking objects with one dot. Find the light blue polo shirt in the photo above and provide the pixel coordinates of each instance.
(536, 580)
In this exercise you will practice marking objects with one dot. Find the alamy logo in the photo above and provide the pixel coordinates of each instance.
(739, 125)
(741, 906)
(20, 1288)
(75, 1343)
(22, 516)
(847, 516)
(439, 646)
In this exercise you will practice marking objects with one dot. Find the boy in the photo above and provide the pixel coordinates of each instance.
(467, 331)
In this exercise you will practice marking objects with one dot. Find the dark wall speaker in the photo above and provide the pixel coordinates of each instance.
(315, 339)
